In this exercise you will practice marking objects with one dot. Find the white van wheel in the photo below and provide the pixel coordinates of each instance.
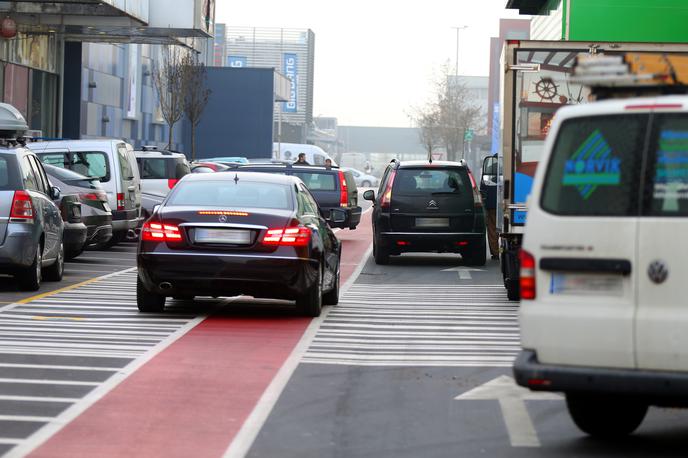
(605, 416)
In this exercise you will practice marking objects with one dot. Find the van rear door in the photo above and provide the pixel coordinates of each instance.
(583, 233)
(662, 319)
(129, 180)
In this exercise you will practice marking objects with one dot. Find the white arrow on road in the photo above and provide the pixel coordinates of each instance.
(512, 399)
(464, 272)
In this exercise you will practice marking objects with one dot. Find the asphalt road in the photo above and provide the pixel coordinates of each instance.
(382, 376)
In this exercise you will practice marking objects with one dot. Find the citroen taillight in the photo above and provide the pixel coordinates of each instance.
(386, 198)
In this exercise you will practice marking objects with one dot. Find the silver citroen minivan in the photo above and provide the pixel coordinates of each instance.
(112, 162)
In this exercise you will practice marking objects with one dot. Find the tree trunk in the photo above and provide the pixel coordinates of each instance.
(169, 138)
(193, 142)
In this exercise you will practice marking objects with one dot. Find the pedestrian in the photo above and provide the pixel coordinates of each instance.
(301, 160)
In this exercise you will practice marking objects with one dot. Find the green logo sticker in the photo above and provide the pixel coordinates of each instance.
(591, 166)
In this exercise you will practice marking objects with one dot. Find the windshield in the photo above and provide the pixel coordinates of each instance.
(227, 194)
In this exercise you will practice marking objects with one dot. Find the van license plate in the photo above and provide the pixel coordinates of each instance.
(432, 222)
(586, 284)
(230, 236)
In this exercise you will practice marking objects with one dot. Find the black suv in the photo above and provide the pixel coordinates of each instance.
(428, 206)
(331, 187)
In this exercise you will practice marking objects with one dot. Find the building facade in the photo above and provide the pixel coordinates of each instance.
(289, 51)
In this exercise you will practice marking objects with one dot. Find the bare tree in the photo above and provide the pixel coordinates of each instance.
(445, 119)
(168, 81)
(196, 93)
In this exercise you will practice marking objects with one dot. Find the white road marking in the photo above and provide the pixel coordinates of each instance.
(464, 272)
(512, 399)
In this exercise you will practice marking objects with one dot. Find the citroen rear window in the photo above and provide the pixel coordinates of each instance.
(427, 181)
(228, 194)
(594, 169)
(316, 181)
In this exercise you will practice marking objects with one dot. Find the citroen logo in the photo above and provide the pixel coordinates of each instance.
(658, 272)
(432, 204)
(223, 218)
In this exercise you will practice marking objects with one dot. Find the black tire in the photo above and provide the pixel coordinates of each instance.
(147, 301)
(183, 298)
(73, 253)
(55, 271)
(365, 184)
(332, 296)
(117, 238)
(310, 303)
(605, 416)
(30, 278)
(477, 256)
(380, 254)
(512, 276)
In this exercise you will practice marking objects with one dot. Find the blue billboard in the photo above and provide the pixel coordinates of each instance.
(289, 67)
(237, 61)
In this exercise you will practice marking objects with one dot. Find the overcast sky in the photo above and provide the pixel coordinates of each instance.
(374, 59)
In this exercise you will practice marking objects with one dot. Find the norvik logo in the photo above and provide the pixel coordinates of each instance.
(592, 165)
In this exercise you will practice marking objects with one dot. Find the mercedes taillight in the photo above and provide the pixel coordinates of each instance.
(386, 197)
(343, 191)
(160, 232)
(289, 236)
(22, 207)
(527, 277)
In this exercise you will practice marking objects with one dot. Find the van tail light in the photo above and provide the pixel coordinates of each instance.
(160, 232)
(343, 191)
(95, 196)
(289, 236)
(527, 280)
(120, 201)
(386, 199)
(171, 182)
(22, 207)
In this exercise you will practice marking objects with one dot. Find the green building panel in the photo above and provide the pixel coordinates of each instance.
(628, 20)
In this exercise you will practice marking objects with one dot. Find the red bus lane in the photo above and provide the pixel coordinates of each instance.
(193, 397)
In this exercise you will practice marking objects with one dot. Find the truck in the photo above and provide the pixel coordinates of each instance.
(535, 82)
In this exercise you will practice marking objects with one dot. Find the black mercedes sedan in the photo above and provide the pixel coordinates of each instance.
(239, 233)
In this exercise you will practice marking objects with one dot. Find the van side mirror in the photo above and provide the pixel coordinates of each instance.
(489, 173)
(369, 195)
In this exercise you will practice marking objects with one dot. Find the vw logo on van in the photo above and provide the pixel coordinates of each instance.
(223, 218)
(658, 272)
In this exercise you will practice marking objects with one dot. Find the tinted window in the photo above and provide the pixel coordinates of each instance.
(28, 176)
(595, 166)
(318, 181)
(181, 169)
(227, 194)
(41, 177)
(62, 174)
(92, 164)
(431, 181)
(153, 168)
(5, 182)
(667, 188)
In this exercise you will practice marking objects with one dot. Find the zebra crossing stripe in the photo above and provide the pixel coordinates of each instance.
(424, 325)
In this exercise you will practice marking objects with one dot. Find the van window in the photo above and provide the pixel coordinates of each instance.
(594, 169)
(124, 165)
(667, 174)
(92, 164)
(153, 168)
(425, 181)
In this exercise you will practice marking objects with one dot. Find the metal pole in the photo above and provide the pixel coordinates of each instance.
(458, 31)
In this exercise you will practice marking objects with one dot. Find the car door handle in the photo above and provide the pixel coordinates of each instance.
(132, 188)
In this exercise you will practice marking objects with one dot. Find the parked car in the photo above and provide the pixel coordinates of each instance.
(160, 170)
(95, 211)
(74, 233)
(31, 227)
(113, 163)
(332, 188)
(235, 233)
(290, 152)
(426, 206)
(228, 159)
(603, 305)
(207, 167)
(363, 179)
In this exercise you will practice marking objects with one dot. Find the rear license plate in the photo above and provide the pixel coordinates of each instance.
(432, 222)
(230, 236)
(586, 284)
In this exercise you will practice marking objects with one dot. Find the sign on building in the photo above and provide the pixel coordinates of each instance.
(290, 62)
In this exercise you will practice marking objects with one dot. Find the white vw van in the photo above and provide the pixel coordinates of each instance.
(604, 312)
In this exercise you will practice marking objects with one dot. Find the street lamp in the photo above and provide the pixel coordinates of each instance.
(458, 31)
